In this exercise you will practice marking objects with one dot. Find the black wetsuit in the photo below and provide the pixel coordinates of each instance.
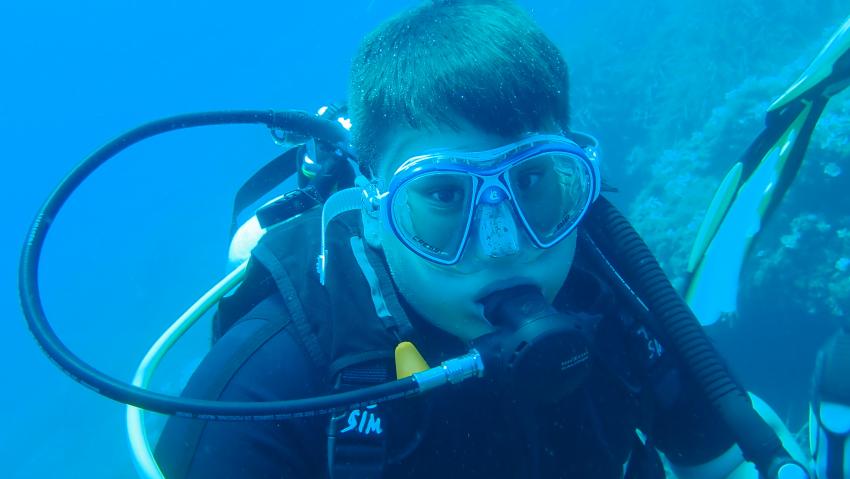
(468, 431)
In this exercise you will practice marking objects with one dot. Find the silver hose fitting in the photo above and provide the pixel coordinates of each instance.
(453, 371)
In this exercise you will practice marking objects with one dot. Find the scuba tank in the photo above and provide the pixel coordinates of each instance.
(829, 412)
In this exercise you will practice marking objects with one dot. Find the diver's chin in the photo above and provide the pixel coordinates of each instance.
(466, 321)
(474, 325)
(479, 312)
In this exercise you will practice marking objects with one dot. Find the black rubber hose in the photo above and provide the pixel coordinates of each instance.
(123, 392)
(619, 241)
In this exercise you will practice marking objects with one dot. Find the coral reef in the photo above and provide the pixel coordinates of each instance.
(682, 178)
(809, 262)
(686, 87)
(795, 285)
(663, 67)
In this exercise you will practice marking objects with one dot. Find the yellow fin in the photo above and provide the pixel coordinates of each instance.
(820, 68)
(715, 214)
(408, 360)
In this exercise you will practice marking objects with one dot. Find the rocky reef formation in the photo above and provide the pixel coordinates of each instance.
(685, 94)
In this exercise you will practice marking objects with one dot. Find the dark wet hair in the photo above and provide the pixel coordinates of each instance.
(483, 61)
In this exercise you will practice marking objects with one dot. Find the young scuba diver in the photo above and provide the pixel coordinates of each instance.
(473, 193)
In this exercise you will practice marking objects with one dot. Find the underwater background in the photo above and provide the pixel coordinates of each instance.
(674, 90)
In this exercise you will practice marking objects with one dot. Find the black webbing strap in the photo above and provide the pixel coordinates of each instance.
(357, 439)
(262, 182)
(400, 322)
(303, 331)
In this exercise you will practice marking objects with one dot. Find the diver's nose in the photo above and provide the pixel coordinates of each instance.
(497, 227)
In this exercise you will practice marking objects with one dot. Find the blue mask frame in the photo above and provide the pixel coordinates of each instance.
(489, 169)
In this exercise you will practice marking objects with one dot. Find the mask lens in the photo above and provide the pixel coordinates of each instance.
(551, 191)
(432, 213)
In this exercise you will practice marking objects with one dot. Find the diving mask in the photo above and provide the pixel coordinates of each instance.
(436, 201)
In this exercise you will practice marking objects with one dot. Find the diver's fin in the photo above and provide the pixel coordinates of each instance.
(717, 258)
(832, 61)
(715, 214)
(756, 184)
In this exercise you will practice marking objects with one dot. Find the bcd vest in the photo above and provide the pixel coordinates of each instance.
(349, 327)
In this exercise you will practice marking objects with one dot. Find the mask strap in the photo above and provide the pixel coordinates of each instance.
(590, 145)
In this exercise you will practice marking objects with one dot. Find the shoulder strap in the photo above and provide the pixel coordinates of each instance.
(285, 287)
(270, 176)
(364, 443)
(368, 318)
(384, 295)
(357, 441)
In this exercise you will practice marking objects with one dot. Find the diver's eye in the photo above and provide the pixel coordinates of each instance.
(528, 178)
(446, 196)
(441, 191)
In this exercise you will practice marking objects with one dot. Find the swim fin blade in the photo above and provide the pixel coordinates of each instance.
(829, 71)
(754, 186)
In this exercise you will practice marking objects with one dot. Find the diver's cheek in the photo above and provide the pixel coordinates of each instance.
(430, 291)
(445, 301)
(556, 262)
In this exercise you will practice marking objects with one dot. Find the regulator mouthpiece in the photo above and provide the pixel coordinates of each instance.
(539, 352)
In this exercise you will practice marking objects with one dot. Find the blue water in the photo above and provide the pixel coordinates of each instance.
(148, 234)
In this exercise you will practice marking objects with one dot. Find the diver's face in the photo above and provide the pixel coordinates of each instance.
(448, 295)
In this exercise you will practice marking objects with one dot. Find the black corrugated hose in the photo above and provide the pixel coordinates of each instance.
(621, 244)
